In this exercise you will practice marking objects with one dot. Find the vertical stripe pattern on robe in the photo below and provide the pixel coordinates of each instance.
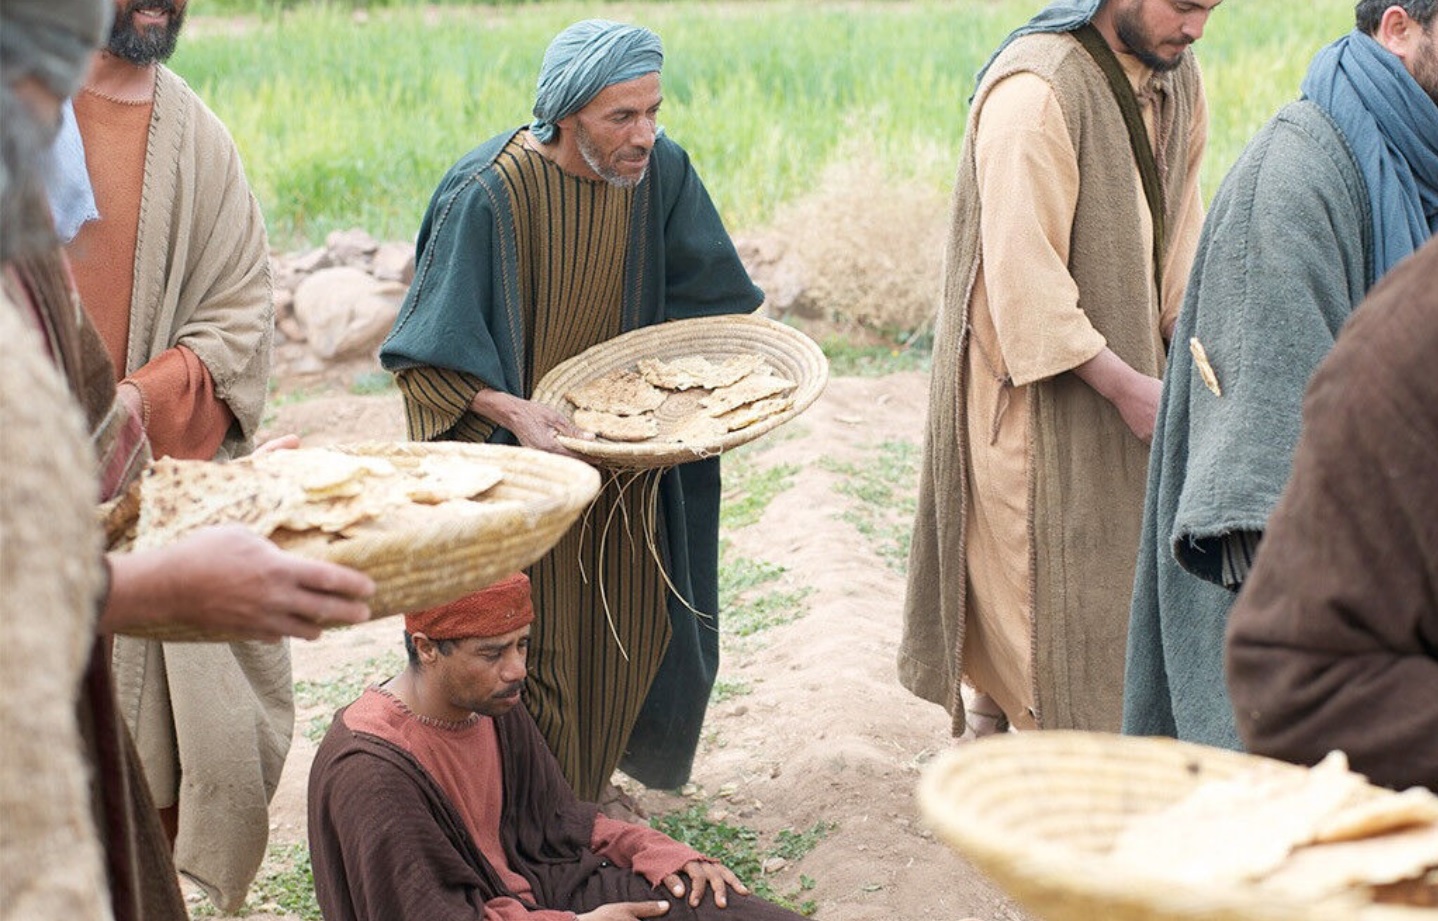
(601, 580)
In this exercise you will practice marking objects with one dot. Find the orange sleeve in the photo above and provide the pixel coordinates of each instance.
(183, 415)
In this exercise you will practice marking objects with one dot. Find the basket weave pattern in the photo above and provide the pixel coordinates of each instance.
(789, 352)
(1039, 811)
(417, 568)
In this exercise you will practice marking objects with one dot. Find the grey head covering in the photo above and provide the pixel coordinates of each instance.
(51, 40)
(583, 60)
(1058, 16)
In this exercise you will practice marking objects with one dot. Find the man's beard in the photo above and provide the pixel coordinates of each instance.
(1129, 28)
(25, 225)
(145, 46)
(1425, 66)
(592, 156)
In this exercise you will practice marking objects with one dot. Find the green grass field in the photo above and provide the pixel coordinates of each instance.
(349, 119)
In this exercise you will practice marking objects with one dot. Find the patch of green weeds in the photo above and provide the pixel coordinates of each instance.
(372, 383)
(291, 397)
(740, 849)
(749, 488)
(285, 886)
(342, 689)
(728, 690)
(745, 599)
(851, 359)
(884, 490)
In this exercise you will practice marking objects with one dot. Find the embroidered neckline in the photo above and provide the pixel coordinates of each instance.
(116, 99)
(449, 725)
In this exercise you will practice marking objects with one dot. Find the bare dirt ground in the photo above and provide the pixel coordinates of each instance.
(821, 732)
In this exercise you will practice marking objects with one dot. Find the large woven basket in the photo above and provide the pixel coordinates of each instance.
(421, 567)
(788, 351)
(1038, 812)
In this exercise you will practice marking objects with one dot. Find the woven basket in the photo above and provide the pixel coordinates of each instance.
(1038, 812)
(421, 567)
(789, 352)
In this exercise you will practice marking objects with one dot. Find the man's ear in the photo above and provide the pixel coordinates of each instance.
(424, 648)
(1399, 33)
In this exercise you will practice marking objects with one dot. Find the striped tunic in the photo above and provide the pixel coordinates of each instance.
(599, 595)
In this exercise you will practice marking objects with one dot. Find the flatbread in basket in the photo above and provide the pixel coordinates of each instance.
(1082, 826)
(684, 390)
(427, 521)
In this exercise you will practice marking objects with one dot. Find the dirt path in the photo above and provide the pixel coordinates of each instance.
(814, 728)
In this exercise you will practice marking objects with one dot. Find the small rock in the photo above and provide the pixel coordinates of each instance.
(343, 311)
(312, 261)
(773, 865)
(351, 247)
(393, 262)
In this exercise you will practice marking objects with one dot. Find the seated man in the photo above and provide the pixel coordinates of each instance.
(434, 797)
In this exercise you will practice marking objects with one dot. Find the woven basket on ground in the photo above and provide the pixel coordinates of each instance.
(1038, 812)
(788, 351)
(416, 568)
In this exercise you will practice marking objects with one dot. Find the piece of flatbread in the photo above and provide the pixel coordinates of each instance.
(621, 392)
(180, 496)
(747, 415)
(697, 430)
(698, 371)
(322, 473)
(1326, 869)
(617, 428)
(440, 478)
(1378, 814)
(748, 390)
(1237, 829)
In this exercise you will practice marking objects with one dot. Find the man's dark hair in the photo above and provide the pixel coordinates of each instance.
(1368, 13)
(445, 647)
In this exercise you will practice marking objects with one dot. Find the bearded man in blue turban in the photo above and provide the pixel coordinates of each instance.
(541, 242)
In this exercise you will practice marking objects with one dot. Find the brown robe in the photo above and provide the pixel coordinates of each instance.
(1333, 642)
(386, 843)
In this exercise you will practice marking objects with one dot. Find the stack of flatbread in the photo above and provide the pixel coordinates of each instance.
(1304, 834)
(689, 400)
(307, 498)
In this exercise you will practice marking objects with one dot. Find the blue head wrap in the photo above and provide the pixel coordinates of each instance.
(1058, 16)
(1392, 126)
(584, 59)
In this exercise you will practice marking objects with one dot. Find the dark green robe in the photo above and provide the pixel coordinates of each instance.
(463, 312)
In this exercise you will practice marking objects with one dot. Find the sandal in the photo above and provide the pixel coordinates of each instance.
(983, 718)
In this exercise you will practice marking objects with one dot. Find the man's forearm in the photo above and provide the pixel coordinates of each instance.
(496, 406)
(1135, 395)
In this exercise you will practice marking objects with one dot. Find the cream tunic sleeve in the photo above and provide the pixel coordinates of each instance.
(1028, 179)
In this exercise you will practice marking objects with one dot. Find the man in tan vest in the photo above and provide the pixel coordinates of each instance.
(175, 276)
(1076, 215)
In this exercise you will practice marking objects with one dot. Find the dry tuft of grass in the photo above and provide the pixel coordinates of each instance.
(867, 251)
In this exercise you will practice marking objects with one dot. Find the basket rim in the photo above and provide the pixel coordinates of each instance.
(1033, 868)
(703, 335)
